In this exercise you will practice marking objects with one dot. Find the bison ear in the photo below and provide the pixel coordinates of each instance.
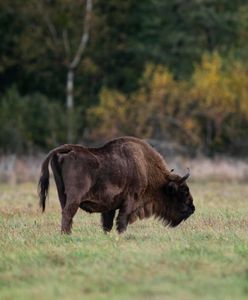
(171, 188)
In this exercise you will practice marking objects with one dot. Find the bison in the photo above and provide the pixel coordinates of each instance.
(126, 174)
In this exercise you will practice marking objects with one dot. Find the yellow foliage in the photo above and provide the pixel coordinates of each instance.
(163, 106)
(110, 112)
(149, 101)
(211, 85)
(220, 91)
(239, 87)
(159, 81)
(119, 114)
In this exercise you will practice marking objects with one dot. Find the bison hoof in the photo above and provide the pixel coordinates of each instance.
(121, 229)
(106, 230)
(65, 231)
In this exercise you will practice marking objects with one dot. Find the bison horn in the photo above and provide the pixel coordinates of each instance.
(185, 177)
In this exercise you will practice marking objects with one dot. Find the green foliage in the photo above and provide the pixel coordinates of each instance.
(119, 42)
(125, 35)
(187, 29)
(30, 122)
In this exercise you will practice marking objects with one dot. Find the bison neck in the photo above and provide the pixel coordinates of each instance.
(147, 210)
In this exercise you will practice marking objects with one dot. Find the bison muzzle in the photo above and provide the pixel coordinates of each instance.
(126, 174)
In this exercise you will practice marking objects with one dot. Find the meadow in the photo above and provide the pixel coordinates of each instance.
(206, 257)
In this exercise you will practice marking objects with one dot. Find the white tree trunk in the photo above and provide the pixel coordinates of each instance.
(70, 105)
(71, 70)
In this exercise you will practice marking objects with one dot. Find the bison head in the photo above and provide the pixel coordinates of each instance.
(179, 202)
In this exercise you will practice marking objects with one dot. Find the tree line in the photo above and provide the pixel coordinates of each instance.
(168, 70)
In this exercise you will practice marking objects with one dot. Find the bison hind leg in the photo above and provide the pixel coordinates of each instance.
(107, 219)
(68, 213)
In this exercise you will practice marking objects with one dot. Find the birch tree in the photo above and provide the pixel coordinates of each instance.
(61, 46)
(73, 65)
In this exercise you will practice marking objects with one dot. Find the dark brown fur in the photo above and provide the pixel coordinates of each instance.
(126, 174)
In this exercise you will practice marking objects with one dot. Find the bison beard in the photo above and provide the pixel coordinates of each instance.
(126, 174)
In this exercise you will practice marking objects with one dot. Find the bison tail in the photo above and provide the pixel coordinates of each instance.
(43, 185)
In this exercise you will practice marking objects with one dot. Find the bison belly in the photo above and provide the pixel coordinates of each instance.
(104, 199)
(91, 207)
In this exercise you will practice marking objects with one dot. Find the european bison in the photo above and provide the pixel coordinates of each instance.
(125, 174)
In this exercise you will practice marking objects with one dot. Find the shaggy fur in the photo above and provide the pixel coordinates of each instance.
(126, 174)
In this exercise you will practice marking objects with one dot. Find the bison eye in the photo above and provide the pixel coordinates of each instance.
(171, 188)
(184, 190)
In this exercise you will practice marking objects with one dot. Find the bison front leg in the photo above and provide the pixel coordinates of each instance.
(123, 217)
(68, 213)
(107, 219)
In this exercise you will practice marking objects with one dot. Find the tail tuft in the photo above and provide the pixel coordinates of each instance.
(43, 186)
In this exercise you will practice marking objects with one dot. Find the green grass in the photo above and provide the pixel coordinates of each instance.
(204, 258)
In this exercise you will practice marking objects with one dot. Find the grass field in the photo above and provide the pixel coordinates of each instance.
(204, 258)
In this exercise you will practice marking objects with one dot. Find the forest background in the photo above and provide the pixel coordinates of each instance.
(173, 71)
